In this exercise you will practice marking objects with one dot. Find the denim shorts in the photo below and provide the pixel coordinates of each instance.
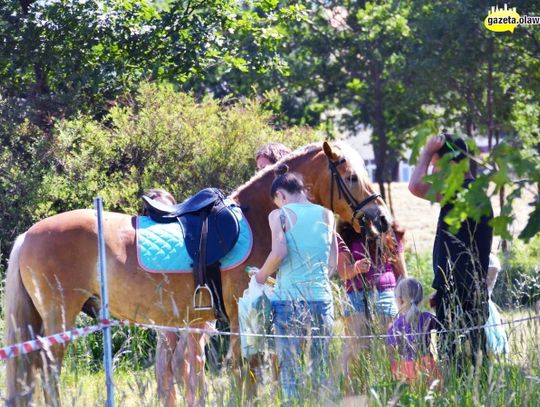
(382, 302)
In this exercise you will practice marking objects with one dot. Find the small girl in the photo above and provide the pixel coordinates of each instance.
(409, 337)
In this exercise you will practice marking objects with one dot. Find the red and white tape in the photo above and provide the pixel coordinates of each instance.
(33, 345)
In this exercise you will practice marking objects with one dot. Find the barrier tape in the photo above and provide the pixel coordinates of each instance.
(22, 348)
(33, 345)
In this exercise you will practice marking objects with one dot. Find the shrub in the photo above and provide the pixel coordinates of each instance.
(518, 283)
(160, 138)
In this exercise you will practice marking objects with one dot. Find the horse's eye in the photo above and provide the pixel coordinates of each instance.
(353, 178)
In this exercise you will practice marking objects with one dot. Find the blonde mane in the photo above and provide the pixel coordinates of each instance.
(356, 163)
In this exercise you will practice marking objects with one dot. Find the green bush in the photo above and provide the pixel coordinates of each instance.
(158, 137)
(518, 283)
(419, 266)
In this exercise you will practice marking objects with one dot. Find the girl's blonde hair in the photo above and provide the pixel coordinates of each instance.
(411, 293)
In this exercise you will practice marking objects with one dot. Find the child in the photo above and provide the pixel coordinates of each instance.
(409, 337)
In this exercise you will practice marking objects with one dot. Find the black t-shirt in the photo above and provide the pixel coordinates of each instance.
(461, 260)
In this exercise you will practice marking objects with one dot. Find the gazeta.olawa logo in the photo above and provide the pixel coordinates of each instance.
(507, 19)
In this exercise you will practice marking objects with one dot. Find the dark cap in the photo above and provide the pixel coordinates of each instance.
(455, 146)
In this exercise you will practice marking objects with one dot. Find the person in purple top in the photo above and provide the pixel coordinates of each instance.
(371, 289)
(409, 337)
(370, 268)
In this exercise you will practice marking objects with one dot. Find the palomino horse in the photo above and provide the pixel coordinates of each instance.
(52, 269)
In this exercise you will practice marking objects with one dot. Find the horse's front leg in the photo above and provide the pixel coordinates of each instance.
(194, 368)
(165, 367)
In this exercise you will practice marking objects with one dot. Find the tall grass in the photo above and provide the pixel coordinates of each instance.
(512, 379)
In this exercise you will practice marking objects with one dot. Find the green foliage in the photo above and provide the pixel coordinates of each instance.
(23, 163)
(69, 56)
(132, 348)
(518, 283)
(158, 137)
(161, 138)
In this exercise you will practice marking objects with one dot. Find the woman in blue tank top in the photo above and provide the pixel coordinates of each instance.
(304, 254)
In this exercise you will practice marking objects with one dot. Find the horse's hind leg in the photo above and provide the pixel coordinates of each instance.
(22, 323)
(58, 309)
(52, 357)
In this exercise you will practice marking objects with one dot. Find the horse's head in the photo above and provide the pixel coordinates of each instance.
(345, 188)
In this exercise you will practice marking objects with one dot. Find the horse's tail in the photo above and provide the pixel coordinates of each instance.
(22, 323)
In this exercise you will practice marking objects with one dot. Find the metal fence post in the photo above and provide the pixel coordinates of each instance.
(102, 260)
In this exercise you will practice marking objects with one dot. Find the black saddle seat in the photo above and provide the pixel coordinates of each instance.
(223, 227)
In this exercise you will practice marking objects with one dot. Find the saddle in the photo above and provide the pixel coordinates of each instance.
(210, 231)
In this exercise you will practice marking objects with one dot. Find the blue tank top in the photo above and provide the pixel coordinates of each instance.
(303, 273)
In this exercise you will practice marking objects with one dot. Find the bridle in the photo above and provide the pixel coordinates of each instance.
(344, 191)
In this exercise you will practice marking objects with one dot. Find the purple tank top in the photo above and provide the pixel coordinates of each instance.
(382, 276)
(412, 340)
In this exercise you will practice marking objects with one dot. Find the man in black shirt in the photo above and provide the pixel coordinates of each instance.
(460, 261)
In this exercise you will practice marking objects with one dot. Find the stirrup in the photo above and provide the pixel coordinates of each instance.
(198, 291)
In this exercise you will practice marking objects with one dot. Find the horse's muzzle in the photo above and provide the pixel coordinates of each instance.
(378, 217)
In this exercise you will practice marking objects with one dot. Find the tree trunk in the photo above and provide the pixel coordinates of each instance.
(389, 201)
(39, 89)
(469, 125)
(489, 95)
(379, 142)
(502, 197)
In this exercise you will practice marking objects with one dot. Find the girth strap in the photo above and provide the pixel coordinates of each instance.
(200, 275)
(207, 278)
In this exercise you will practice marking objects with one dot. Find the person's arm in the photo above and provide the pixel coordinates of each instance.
(417, 185)
(491, 278)
(347, 268)
(279, 248)
(400, 267)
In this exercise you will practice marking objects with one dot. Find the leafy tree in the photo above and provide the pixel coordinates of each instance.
(62, 57)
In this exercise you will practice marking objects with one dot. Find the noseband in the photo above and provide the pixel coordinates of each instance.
(344, 191)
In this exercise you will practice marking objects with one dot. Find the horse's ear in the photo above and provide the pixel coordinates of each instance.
(328, 151)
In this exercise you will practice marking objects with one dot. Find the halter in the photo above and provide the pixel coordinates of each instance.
(344, 191)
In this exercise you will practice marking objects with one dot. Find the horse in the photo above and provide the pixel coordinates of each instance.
(52, 269)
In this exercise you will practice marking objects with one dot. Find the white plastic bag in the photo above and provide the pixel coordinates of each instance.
(254, 316)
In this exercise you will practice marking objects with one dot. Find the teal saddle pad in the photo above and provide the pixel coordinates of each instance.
(161, 247)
